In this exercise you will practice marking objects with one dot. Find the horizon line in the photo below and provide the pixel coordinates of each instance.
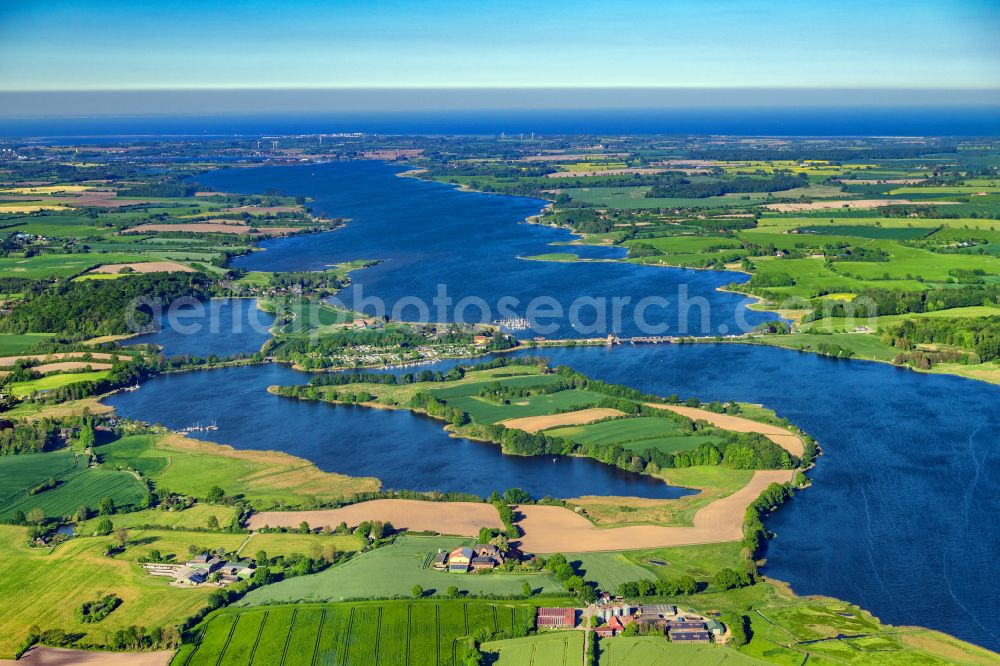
(339, 100)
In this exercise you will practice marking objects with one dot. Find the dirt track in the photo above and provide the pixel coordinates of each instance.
(461, 518)
(550, 529)
(536, 423)
(547, 529)
(784, 438)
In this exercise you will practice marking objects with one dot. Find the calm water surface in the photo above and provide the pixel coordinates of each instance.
(903, 517)
(432, 236)
(221, 326)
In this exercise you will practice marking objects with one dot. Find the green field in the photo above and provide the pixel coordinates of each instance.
(562, 648)
(864, 345)
(63, 265)
(12, 344)
(193, 518)
(482, 410)
(392, 571)
(689, 244)
(311, 317)
(654, 650)
(276, 544)
(134, 452)
(617, 431)
(78, 485)
(871, 231)
(88, 488)
(632, 198)
(386, 632)
(472, 388)
(700, 562)
(21, 472)
(674, 444)
(59, 226)
(608, 570)
(49, 382)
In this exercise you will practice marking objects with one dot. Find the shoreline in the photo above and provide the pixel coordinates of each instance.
(760, 426)
(754, 342)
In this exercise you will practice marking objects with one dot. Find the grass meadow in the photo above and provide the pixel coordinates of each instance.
(183, 465)
(192, 518)
(37, 583)
(276, 544)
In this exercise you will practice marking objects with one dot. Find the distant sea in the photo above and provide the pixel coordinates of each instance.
(840, 121)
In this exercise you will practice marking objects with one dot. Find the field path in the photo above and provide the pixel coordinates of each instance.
(550, 529)
(783, 437)
(459, 518)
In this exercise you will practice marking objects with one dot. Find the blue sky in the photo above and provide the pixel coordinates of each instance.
(137, 45)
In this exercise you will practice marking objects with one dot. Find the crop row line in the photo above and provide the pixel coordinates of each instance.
(288, 636)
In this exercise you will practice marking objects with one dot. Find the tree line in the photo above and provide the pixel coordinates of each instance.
(681, 187)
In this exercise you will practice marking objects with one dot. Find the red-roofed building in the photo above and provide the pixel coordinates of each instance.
(604, 631)
(557, 618)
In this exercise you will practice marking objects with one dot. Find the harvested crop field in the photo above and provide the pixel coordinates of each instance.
(210, 228)
(461, 518)
(852, 204)
(579, 417)
(145, 267)
(9, 361)
(550, 529)
(28, 208)
(48, 656)
(783, 437)
(61, 366)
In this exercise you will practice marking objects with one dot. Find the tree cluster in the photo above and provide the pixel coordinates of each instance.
(90, 308)
(681, 187)
(658, 588)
